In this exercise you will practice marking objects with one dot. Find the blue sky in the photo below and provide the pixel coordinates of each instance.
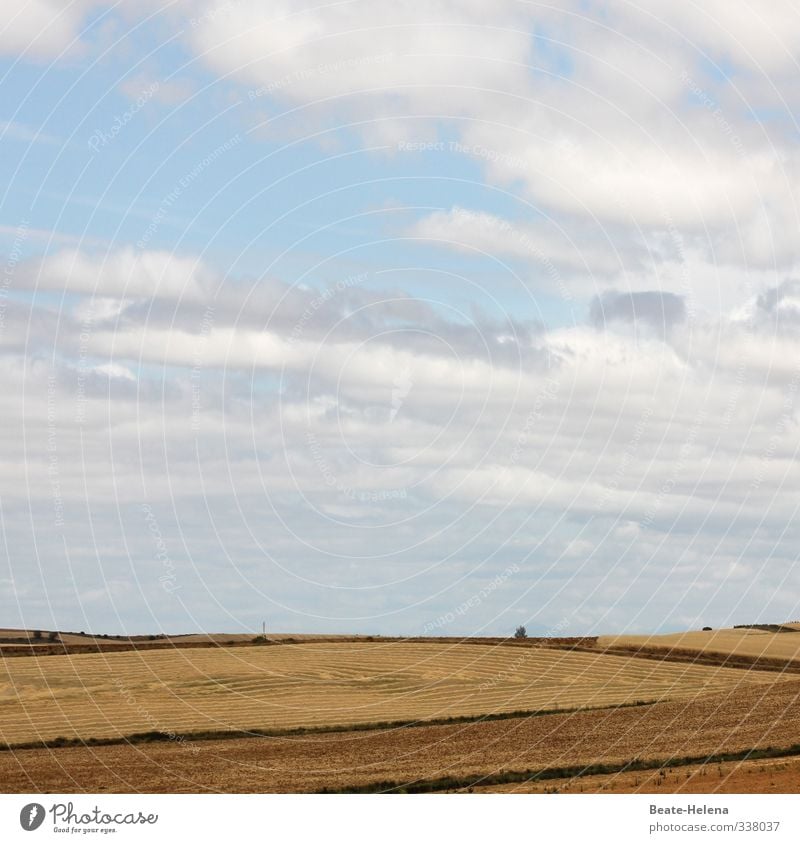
(376, 322)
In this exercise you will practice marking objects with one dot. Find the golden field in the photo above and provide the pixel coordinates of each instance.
(665, 734)
(756, 643)
(113, 694)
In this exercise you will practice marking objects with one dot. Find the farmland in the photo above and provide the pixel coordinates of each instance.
(429, 757)
(754, 643)
(352, 713)
(780, 775)
(103, 695)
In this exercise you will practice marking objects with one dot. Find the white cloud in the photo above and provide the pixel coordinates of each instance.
(125, 273)
(434, 57)
(555, 247)
(764, 37)
(39, 28)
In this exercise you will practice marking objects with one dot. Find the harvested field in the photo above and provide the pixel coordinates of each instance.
(754, 643)
(104, 695)
(762, 776)
(748, 717)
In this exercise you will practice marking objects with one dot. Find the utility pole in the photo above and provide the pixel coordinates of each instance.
(264, 628)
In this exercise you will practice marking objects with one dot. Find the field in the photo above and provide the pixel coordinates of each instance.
(762, 776)
(429, 758)
(350, 713)
(103, 695)
(756, 643)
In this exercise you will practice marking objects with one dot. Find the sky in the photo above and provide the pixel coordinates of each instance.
(398, 318)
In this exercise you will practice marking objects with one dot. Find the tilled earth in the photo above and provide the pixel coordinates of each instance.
(763, 776)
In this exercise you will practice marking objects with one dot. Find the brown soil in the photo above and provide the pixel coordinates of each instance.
(765, 776)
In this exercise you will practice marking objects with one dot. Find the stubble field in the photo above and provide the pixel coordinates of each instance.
(107, 695)
(755, 643)
(311, 716)
(429, 758)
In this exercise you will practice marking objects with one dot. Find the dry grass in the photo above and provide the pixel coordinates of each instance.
(103, 695)
(743, 642)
